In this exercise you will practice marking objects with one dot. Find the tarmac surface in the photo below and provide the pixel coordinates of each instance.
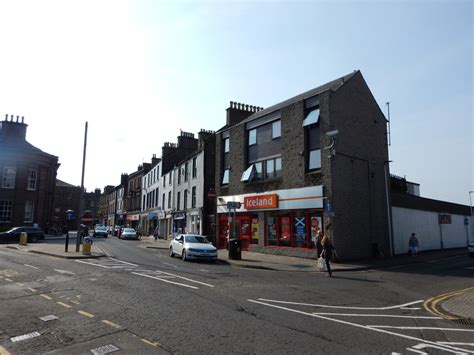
(456, 305)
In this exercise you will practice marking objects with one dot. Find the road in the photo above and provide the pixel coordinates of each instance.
(142, 301)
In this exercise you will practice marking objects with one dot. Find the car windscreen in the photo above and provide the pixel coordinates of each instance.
(101, 228)
(196, 239)
(129, 230)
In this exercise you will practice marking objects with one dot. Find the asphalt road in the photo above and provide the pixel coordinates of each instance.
(143, 301)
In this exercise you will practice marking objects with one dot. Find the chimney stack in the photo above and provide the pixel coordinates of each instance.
(237, 112)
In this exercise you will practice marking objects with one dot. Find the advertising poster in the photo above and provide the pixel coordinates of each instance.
(255, 228)
(300, 229)
(315, 226)
(285, 228)
(271, 228)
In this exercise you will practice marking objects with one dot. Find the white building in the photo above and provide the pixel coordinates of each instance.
(151, 207)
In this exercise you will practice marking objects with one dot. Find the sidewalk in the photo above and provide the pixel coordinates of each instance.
(56, 247)
(460, 304)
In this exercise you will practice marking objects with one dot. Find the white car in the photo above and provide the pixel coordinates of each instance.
(129, 233)
(192, 246)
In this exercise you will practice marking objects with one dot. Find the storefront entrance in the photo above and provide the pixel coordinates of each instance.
(246, 228)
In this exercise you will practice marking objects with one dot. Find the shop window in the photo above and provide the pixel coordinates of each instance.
(285, 230)
(299, 229)
(315, 227)
(271, 229)
(276, 129)
(254, 231)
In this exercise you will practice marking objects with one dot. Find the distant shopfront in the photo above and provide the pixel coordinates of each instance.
(274, 219)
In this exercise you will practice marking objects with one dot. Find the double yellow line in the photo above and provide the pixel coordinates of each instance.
(431, 305)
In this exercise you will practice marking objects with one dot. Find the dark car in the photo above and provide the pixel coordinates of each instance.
(13, 235)
(101, 231)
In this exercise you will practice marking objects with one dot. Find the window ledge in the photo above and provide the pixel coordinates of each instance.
(260, 181)
(314, 172)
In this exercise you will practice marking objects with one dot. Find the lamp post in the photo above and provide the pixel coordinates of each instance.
(470, 205)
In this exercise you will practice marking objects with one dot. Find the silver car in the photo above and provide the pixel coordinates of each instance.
(129, 233)
(192, 246)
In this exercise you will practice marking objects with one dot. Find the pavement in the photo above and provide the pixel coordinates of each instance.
(455, 305)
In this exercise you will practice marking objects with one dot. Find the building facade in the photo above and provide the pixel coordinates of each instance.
(151, 203)
(28, 178)
(133, 195)
(315, 161)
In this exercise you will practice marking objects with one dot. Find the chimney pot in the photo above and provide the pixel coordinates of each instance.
(6, 117)
(17, 118)
(11, 118)
(22, 119)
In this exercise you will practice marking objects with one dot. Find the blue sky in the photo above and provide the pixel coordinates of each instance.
(140, 71)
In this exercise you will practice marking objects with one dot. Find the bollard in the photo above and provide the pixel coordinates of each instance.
(87, 246)
(23, 238)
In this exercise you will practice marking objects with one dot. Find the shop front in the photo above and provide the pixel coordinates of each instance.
(276, 219)
(133, 220)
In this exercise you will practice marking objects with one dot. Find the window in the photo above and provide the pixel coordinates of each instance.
(163, 202)
(157, 197)
(179, 175)
(193, 197)
(169, 199)
(185, 199)
(29, 210)
(144, 203)
(5, 210)
(258, 170)
(226, 145)
(225, 177)
(152, 203)
(178, 201)
(312, 117)
(278, 167)
(314, 159)
(194, 167)
(169, 180)
(186, 172)
(253, 136)
(164, 182)
(31, 179)
(270, 168)
(8, 181)
(276, 129)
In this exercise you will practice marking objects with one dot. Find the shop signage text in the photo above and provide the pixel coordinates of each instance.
(261, 201)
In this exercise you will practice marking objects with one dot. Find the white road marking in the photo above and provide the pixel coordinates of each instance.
(435, 345)
(25, 336)
(411, 308)
(185, 278)
(170, 264)
(93, 264)
(420, 328)
(454, 343)
(106, 349)
(374, 315)
(48, 318)
(34, 267)
(417, 351)
(424, 346)
(112, 324)
(341, 307)
(171, 282)
(124, 262)
(64, 272)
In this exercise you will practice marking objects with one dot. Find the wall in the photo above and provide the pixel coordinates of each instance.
(425, 225)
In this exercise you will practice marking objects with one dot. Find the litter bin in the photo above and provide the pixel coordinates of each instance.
(87, 246)
(23, 238)
(235, 250)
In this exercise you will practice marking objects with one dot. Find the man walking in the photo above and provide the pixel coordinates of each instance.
(413, 245)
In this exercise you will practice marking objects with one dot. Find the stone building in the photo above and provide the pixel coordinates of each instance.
(66, 197)
(28, 178)
(316, 160)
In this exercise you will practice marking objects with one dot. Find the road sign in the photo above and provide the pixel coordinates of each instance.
(233, 205)
(69, 215)
(87, 219)
(211, 193)
(466, 221)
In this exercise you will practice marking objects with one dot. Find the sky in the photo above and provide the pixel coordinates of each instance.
(140, 71)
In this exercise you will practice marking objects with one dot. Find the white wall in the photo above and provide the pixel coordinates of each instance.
(425, 225)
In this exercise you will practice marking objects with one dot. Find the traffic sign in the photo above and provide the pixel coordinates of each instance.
(233, 205)
(211, 193)
(87, 219)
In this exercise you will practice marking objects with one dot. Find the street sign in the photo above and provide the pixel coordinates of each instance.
(211, 193)
(69, 215)
(233, 205)
(466, 221)
(87, 219)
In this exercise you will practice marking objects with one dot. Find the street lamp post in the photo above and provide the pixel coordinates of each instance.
(470, 222)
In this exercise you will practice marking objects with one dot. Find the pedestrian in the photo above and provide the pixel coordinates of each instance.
(413, 245)
(156, 233)
(328, 249)
(319, 246)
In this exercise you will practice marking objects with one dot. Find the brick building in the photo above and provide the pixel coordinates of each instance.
(28, 178)
(317, 159)
(66, 197)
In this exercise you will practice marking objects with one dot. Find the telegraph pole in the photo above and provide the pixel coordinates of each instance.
(79, 209)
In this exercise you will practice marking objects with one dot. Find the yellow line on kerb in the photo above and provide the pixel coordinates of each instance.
(155, 344)
(431, 304)
(4, 351)
(84, 313)
(63, 304)
(112, 324)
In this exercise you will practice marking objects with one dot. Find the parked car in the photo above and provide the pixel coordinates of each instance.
(470, 248)
(13, 235)
(192, 246)
(101, 231)
(129, 233)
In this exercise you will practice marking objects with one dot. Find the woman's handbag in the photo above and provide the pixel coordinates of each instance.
(321, 264)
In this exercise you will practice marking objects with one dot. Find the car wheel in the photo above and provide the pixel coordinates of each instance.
(471, 255)
(105, 237)
(171, 252)
(183, 255)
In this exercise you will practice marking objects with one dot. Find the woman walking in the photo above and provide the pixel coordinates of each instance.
(328, 249)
